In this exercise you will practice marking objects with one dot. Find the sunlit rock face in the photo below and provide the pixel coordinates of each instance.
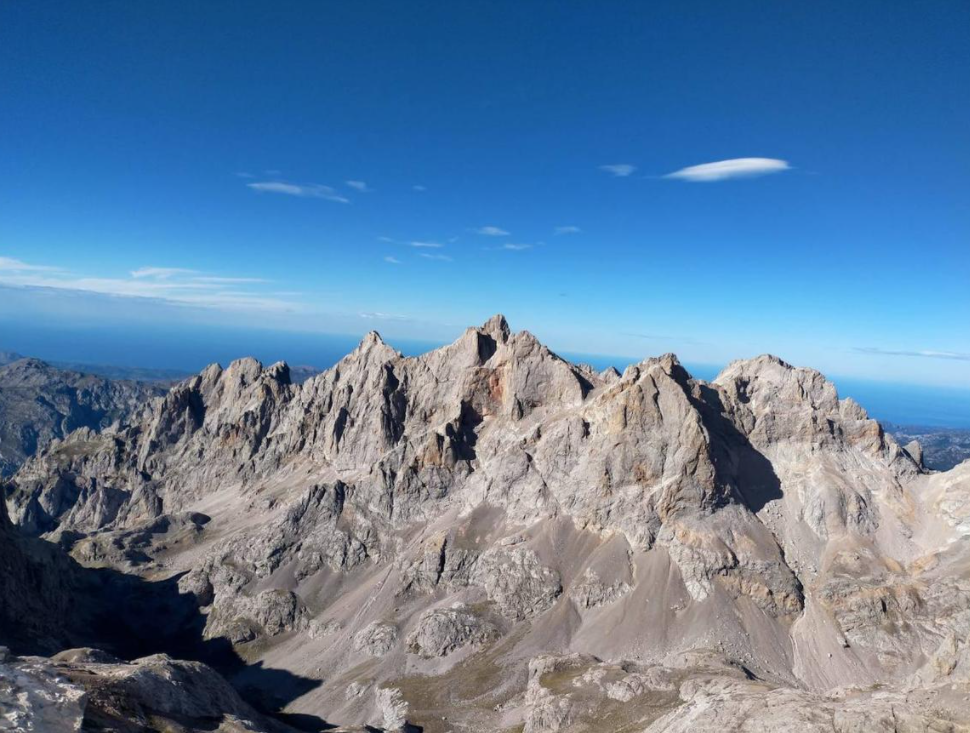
(488, 537)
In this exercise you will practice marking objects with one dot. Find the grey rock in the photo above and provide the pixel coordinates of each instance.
(376, 639)
(441, 631)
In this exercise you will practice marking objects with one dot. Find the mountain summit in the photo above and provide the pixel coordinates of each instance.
(488, 537)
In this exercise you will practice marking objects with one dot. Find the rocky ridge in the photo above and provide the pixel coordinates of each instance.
(40, 403)
(487, 536)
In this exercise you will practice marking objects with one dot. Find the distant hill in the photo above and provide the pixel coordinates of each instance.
(943, 448)
(40, 402)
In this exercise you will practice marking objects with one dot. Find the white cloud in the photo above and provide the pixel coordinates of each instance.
(566, 230)
(173, 285)
(418, 188)
(228, 280)
(426, 245)
(619, 170)
(358, 185)
(311, 190)
(11, 265)
(392, 260)
(516, 247)
(160, 273)
(492, 231)
(385, 239)
(722, 170)
(926, 353)
(378, 316)
(443, 258)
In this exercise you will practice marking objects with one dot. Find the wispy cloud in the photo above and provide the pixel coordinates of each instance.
(9, 264)
(418, 188)
(723, 170)
(161, 273)
(619, 170)
(443, 258)
(378, 316)
(392, 260)
(173, 285)
(359, 186)
(516, 247)
(491, 231)
(566, 230)
(426, 245)
(227, 280)
(925, 353)
(661, 337)
(311, 190)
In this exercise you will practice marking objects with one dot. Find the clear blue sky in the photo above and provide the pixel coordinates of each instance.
(179, 165)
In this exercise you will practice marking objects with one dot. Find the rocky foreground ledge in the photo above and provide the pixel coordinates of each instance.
(489, 538)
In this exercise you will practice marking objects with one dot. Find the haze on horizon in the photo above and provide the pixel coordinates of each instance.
(619, 180)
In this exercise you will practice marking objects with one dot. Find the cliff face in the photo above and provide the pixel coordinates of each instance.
(494, 535)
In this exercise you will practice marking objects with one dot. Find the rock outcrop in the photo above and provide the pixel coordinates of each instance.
(84, 692)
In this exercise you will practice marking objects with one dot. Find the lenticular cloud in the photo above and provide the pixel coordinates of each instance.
(734, 168)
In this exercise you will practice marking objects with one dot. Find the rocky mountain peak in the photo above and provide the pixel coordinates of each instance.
(394, 519)
(497, 327)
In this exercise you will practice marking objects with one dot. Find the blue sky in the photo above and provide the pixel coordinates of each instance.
(416, 167)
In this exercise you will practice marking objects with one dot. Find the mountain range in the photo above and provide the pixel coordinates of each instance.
(485, 537)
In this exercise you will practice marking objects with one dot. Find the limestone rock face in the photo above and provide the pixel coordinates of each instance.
(414, 533)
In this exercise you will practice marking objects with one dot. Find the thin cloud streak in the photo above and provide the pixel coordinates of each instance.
(566, 230)
(925, 353)
(228, 280)
(175, 286)
(392, 260)
(492, 231)
(378, 316)
(312, 190)
(9, 264)
(359, 186)
(442, 258)
(619, 170)
(723, 170)
(161, 273)
(426, 245)
(516, 247)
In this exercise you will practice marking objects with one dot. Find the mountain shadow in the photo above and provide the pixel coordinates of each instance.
(49, 602)
(736, 461)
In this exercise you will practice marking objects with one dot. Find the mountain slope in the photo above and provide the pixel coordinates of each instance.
(40, 403)
(489, 534)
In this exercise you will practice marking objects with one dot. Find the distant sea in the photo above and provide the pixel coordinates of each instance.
(189, 350)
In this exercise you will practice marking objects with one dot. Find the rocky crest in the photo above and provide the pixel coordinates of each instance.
(489, 534)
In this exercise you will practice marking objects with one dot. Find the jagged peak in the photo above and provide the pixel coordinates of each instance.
(758, 366)
(611, 373)
(497, 327)
(245, 363)
(668, 362)
(371, 338)
(373, 343)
